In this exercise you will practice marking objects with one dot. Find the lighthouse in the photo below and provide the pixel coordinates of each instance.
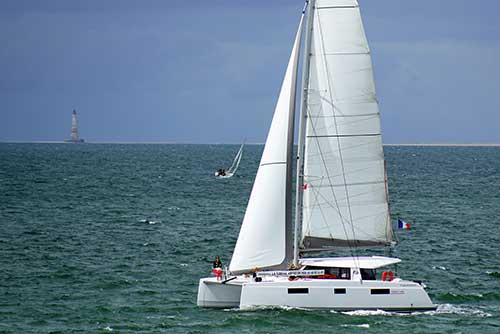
(74, 131)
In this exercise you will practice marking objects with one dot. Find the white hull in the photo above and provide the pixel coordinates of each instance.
(212, 293)
(226, 176)
(339, 295)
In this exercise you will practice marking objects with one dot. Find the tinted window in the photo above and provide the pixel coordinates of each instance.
(298, 290)
(332, 273)
(380, 291)
(368, 274)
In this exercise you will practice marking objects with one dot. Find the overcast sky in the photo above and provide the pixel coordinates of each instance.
(210, 71)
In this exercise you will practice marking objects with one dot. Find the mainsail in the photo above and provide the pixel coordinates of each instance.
(236, 161)
(265, 239)
(344, 185)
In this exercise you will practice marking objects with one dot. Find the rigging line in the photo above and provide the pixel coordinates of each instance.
(357, 184)
(356, 115)
(337, 7)
(316, 194)
(329, 177)
(323, 160)
(347, 53)
(330, 89)
(388, 228)
(337, 208)
(273, 163)
(236, 161)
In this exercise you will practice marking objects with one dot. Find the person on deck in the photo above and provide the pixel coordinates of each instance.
(217, 262)
(217, 268)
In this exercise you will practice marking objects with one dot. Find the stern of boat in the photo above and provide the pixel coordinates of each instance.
(218, 294)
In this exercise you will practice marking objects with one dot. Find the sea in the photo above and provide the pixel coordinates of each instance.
(113, 238)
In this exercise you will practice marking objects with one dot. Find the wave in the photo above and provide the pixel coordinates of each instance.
(495, 274)
(441, 309)
(147, 221)
(453, 309)
(359, 326)
(276, 307)
(364, 313)
(477, 297)
(439, 267)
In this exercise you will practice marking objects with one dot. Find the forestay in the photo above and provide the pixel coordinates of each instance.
(265, 237)
(344, 193)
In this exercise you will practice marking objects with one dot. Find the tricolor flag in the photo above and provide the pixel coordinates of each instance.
(402, 224)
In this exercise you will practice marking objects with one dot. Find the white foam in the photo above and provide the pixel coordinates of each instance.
(109, 329)
(277, 307)
(365, 313)
(453, 309)
(359, 326)
(147, 221)
(439, 267)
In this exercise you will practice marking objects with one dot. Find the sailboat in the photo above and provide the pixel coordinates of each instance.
(224, 174)
(341, 187)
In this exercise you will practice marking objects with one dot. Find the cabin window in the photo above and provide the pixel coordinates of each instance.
(380, 291)
(368, 274)
(332, 273)
(339, 291)
(292, 291)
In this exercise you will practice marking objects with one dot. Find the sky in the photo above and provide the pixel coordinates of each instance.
(210, 71)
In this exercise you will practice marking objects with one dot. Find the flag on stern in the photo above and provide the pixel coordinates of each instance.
(403, 225)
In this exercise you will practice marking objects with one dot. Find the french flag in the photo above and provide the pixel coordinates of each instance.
(403, 225)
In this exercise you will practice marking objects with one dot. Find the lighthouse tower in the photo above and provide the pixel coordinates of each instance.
(74, 131)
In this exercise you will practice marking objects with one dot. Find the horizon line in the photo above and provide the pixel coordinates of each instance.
(234, 143)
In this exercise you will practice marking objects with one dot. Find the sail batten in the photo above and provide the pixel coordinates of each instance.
(344, 196)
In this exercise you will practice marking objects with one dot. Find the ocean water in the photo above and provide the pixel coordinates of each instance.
(113, 238)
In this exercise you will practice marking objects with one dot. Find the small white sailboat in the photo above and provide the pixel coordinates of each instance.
(341, 189)
(224, 174)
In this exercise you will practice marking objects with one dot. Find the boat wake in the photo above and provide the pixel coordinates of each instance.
(269, 308)
(441, 309)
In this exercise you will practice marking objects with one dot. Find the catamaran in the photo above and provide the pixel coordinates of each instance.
(341, 187)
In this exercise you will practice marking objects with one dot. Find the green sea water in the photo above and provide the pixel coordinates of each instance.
(98, 238)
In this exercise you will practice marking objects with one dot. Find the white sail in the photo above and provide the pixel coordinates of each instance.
(236, 161)
(344, 197)
(265, 236)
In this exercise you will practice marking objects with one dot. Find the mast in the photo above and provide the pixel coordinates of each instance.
(302, 127)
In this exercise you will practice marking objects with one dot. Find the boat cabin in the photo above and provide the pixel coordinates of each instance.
(347, 268)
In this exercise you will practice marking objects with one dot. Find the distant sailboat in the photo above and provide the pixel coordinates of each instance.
(74, 131)
(341, 187)
(224, 174)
